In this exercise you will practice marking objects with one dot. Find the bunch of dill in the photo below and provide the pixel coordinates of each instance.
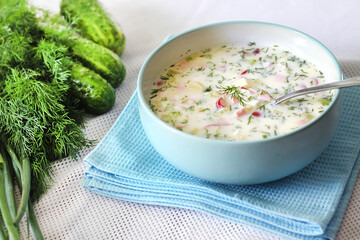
(36, 109)
(38, 120)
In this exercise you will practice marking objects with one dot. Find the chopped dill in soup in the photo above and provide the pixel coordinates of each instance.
(228, 93)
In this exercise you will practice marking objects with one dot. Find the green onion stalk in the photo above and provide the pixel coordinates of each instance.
(6, 207)
(22, 174)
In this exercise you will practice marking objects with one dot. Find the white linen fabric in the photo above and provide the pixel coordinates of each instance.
(68, 211)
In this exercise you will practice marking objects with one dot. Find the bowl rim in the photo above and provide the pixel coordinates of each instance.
(170, 38)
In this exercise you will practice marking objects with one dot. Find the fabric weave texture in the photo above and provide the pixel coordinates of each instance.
(309, 204)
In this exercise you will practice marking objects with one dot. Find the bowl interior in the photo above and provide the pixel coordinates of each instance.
(237, 33)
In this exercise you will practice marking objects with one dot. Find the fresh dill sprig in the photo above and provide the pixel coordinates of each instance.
(263, 106)
(249, 119)
(36, 124)
(264, 92)
(234, 93)
(36, 110)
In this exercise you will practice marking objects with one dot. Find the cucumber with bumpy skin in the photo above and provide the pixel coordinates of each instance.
(98, 58)
(95, 93)
(94, 23)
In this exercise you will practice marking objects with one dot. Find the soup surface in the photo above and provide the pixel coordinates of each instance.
(228, 93)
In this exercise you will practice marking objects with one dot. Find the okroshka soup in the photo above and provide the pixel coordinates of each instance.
(227, 92)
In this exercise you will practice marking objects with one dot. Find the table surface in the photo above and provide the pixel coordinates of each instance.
(68, 211)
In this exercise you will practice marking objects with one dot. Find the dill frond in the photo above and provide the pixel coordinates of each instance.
(234, 93)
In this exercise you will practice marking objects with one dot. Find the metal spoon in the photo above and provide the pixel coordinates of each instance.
(350, 82)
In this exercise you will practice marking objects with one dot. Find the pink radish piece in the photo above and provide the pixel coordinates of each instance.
(256, 114)
(241, 112)
(220, 103)
(217, 125)
(265, 97)
(159, 83)
(303, 121)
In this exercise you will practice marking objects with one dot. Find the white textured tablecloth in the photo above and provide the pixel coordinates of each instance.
(68, 211)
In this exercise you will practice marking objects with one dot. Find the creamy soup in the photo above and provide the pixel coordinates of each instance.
(228, 93)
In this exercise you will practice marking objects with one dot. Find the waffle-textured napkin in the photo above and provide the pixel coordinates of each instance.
(309, 204)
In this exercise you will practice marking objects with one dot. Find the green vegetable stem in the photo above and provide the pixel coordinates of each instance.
(8, 183)
(13, 232)
(23, 168)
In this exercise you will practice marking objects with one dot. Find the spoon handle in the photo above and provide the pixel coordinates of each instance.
(350, 82)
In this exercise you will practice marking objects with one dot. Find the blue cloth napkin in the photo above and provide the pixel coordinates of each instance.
(309, 204)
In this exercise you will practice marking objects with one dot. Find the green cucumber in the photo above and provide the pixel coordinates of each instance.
(95, 94)
(94, 23)
(98, 58)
